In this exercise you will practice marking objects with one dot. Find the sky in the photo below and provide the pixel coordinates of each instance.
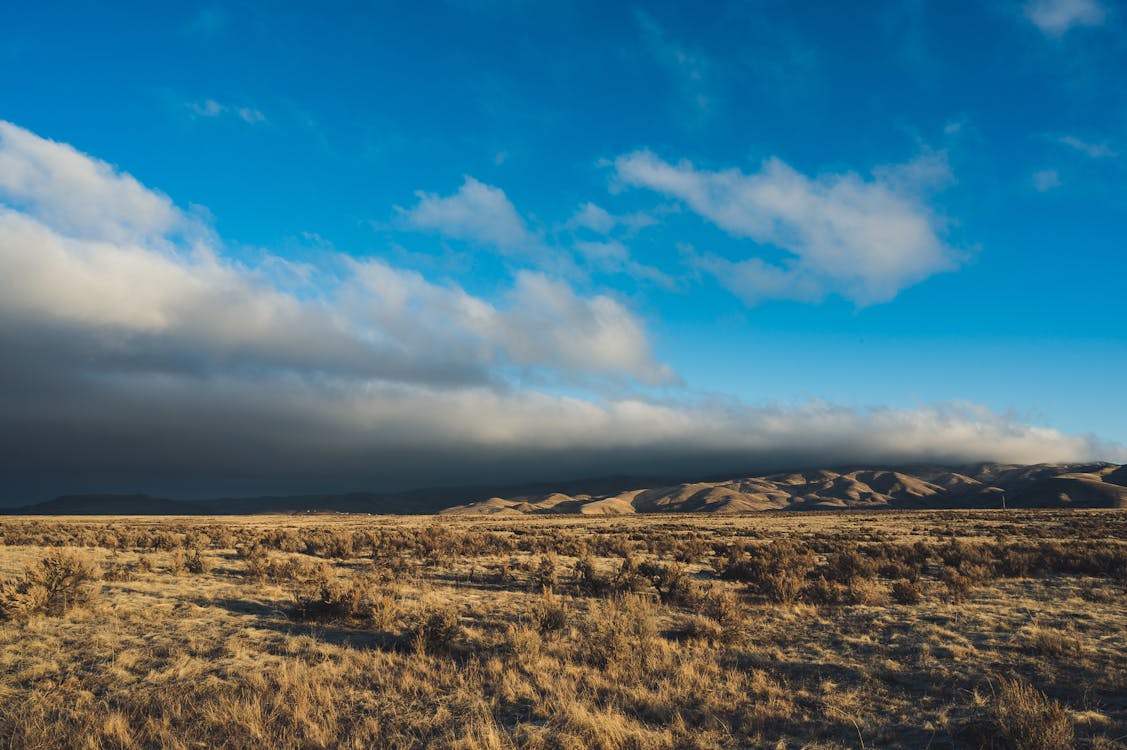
(251, 248)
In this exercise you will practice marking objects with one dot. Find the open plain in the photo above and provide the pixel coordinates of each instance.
(1000, 629)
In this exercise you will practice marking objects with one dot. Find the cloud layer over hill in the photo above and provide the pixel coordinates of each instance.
(140, 354)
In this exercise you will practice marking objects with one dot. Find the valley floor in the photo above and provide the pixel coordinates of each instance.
(818, 630)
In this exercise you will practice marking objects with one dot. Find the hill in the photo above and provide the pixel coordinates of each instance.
(1096, 485)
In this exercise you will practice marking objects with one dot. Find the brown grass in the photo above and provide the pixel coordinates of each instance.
(927, 629)
(1018, 716)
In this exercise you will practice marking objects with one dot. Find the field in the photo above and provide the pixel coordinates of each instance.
(821, 630)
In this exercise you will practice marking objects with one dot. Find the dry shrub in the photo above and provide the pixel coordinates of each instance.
(356, 601)
(722, 606)
(547, 614)
(52, 586)
(866, 592)
(903, 561)
(505, 571)
(697, 628)
(1016, 563)
(339, 544)
(1018, 716)
(849, 566)
(672, 583)
(823, 591)
(619, 628)
(628, 579)
(776, 571)
(588, 580)
(178, 563)
(545, 577)
(906, 592)
(437, 630)
(960, 555)
(113, 570)
(781, 586)
(197, 563)
(958, 585)
(261, 566)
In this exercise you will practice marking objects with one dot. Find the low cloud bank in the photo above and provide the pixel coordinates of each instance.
(137, 357)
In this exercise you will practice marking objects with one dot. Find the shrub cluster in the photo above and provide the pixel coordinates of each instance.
(53, 585)
(1018, 716)
(359, 600)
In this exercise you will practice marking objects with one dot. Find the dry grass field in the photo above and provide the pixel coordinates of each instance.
(821, 630)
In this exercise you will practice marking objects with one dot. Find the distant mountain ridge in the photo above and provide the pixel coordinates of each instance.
(419, 501)
(987, 485)
(1095, 485)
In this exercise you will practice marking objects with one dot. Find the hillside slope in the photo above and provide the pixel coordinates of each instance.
(1096, 485)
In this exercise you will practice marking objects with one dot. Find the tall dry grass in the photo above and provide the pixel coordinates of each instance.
(892, 630)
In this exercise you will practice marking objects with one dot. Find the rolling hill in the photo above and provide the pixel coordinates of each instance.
(1096, 485)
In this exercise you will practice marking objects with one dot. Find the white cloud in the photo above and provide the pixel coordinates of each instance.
(1094, 150)
(954, 127)
(78, 195)
(611, 256)
(1055, 17)
(1046, 180)
(115, 274)
(598, 329)
(250, 115)
(483, 214)
(206, 108)
(593, 217)
(540, 323)
(477, 212)
(597, 219)
(863, 239)
(212, 109)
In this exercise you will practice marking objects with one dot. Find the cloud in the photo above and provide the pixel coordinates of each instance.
(477, 212)
(212, 109)
(597, 219)
(138, 357)
(250, 115)
(88, 251)
(540, 324)
(863, 239)
(228, 434)
(206, 108)
(610, 255)
(1093, 150)
(1046, 180)
(597, 330)
(483, 214)
(1055, 17)
(77, 195)
(613, 257)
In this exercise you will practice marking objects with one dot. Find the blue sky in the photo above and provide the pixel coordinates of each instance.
(754, 234)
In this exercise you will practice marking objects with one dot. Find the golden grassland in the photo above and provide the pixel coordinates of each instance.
(823, 630)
